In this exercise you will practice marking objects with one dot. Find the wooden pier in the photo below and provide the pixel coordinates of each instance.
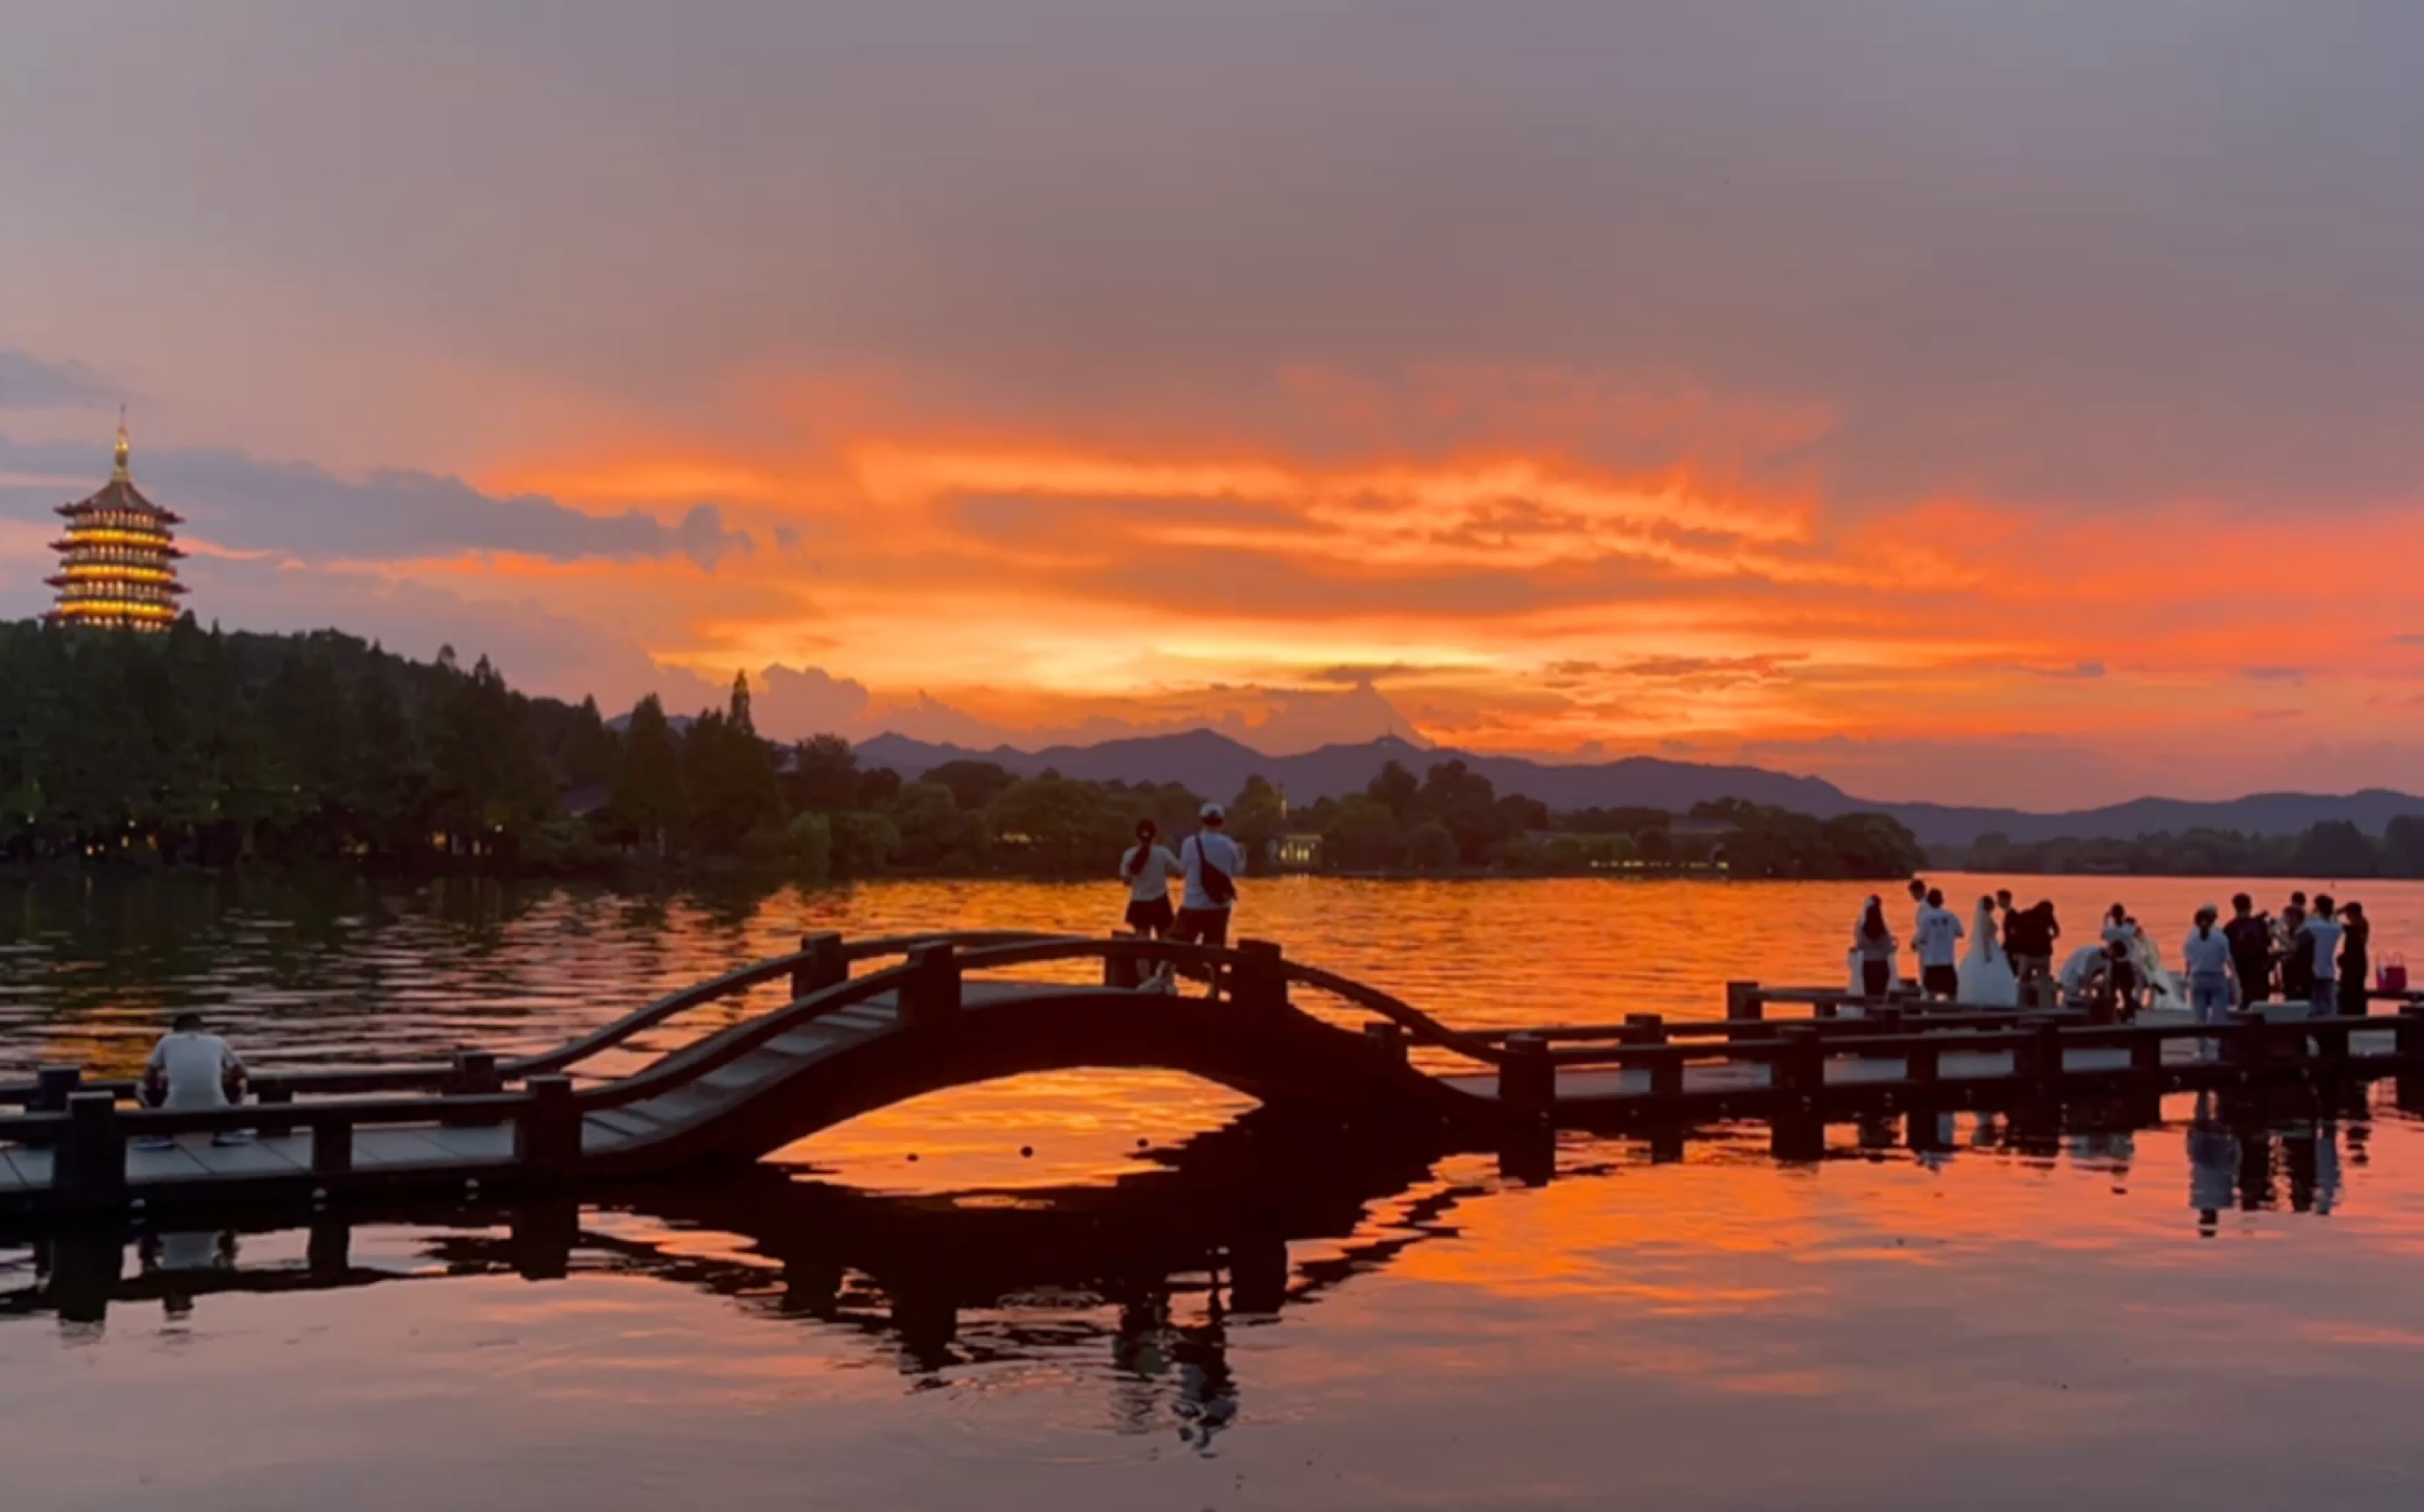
(867, 1024)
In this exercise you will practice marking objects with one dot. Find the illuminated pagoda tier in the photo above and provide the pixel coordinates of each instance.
(117, 566)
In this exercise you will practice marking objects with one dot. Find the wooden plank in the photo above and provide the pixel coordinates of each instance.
(175, 1163)
(386, 1149)
(492, 1144)
(250, 1158)
(32, 1166)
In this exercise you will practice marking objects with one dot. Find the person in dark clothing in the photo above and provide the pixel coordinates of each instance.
(1875, 944)
(2251, 951)
(2355, 962)
(2004, 907)
(2297, 956)
(2029, 936)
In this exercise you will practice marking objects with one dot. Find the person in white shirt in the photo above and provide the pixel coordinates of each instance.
(1211, 862)
(1148, 867)
(2322, 935)
(2207, 959)
(1937, 934)
(192, 1069)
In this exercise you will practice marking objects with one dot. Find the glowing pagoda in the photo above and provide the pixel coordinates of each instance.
(117, 566)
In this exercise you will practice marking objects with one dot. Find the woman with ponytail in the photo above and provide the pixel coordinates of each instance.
(1148, 867)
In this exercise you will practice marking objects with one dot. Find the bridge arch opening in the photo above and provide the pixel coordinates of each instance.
(1046, 1128)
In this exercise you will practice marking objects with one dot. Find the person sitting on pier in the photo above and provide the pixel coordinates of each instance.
(2087, 977)
(1938, 945)
(191, 1068)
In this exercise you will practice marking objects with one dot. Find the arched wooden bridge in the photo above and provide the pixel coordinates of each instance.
(935, 1012)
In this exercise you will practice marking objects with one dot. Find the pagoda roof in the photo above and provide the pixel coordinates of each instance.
(121, 494)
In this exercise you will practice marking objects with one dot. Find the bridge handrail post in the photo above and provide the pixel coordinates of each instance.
(269, 1094)
(932, 991)
(1258, 978)
(2407, 1032)
(90, 1169)
(1527, 1078)
(1388, 1038)
(1742, 1005)
(52, 1087)
(473, 1072)
(1801, 1066)
(332, 1148)
(547, 1135)
(823, 963)
(1120, 969)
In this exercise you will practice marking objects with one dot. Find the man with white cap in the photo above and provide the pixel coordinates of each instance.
(1212, 862)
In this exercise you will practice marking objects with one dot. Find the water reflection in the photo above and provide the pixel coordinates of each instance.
(1156, 1269)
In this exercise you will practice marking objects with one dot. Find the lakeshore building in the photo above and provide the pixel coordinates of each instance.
(117, 561)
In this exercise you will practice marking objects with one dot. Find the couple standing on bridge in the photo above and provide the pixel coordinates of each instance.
(1208, 864)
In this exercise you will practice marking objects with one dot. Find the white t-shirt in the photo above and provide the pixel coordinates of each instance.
(1938, 936)
(2326, 934)
(2123, 932)
(2206, 955)
(1225, 854)
(196, 1066)
(1150, 884)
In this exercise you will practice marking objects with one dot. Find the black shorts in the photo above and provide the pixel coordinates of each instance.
(1945, 979)
(2124, 976)
(1150, 916)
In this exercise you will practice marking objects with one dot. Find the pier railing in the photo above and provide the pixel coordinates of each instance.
(87, 1131)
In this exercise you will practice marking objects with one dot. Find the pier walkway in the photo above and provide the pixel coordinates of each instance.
(937, 1012)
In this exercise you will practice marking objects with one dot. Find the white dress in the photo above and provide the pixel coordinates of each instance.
(2163, 989)
(1986, 974)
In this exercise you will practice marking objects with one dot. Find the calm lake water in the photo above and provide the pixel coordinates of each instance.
(1104, 1290)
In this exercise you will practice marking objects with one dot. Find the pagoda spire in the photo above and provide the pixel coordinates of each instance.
(118, 473)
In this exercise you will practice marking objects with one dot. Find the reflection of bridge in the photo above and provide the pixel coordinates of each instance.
(938, 1014)
(1156, 1269)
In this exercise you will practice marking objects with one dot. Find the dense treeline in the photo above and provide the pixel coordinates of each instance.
(206, 747)
(2336, 848)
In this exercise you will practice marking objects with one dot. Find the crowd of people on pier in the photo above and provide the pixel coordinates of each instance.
(2315, 953)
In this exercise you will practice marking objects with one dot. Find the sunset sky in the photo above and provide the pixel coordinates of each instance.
(1957, 400)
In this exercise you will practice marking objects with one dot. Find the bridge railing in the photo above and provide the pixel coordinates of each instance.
(473, 1072)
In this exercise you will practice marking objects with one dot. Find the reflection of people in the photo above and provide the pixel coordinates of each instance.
(2214, 1166)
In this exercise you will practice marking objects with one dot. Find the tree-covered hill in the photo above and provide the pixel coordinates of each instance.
(208, 748)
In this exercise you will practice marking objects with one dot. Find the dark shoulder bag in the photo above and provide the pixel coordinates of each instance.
(1218, 885)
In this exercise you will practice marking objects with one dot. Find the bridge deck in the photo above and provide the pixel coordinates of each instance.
(1846, 1067)
(436, 1152)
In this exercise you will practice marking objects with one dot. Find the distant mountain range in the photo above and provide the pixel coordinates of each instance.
(1214, 764)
